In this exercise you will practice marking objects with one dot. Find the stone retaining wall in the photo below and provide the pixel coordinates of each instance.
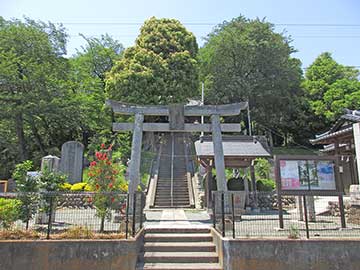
(284, 254)
(70, 254)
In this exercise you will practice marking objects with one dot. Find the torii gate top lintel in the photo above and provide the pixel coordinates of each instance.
(189, 110)
(176, 123)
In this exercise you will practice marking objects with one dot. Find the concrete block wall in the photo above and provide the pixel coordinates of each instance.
(70, 254)
(285, 254)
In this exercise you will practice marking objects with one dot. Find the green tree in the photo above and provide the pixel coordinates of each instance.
(161, 68)
(331, 87)
(87, 75)
(34, 96)
(245, 60)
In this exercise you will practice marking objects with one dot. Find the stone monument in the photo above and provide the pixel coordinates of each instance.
(71, 163)
(51, 163)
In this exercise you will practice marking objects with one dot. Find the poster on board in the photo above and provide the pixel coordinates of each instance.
(325, 175)
(307, 175)
(289, 174)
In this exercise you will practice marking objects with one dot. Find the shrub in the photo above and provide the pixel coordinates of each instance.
(294, 232)
(66, 186)
(51, 181)
(78, 186)
(9, 212)
(102, 178)
(27, 186)
(265, 185)
(88, 188)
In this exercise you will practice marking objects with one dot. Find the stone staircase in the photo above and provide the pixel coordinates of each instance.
(178, 248)
(180, 198)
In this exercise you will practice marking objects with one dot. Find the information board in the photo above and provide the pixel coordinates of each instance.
(306, 173)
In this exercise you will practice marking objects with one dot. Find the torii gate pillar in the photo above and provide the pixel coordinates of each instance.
(134, 173)
(218, 153)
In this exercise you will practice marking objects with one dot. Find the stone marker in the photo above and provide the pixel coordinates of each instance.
(355, 195)
(51, 163)
(71, 163)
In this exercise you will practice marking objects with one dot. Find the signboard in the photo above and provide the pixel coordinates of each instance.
(306, 174)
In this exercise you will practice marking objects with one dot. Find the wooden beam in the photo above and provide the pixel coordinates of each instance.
(163, 127)
(161, 110)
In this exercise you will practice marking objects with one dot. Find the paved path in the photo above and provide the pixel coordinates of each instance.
(177, 218)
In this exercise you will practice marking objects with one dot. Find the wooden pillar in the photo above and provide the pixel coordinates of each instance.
(218, 153)
(341, 186)
(356, 130)
(134, 173)
(253, 183)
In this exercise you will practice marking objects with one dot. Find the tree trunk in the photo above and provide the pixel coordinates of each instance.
(19, 123)
(271, 140)
(37, 138)
(102, 224)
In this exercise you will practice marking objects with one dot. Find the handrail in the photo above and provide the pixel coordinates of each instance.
(189, 174)
(153, 184)
(172, 169)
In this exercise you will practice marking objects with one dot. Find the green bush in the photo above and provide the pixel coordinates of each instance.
(9, 212)
(265, 185)
(27, 186)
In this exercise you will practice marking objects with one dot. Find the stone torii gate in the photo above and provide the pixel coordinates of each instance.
(176, 114)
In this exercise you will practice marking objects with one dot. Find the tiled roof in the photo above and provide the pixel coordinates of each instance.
(235, 146)
(338, 128)
(331, 135)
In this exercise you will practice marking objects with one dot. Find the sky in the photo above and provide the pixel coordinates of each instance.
(315, 26)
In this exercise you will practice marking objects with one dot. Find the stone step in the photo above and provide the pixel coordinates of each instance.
(168, 204)
(182, 266)
(180, 247)
(181, 257)
(168, 199)
(178, 230)
(178, 237)
(174, 206)
(166, 188)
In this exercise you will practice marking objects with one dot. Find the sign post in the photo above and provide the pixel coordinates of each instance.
(302, 175)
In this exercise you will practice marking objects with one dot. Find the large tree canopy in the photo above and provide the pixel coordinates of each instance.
(246, 60)
(161, 68)
(87, 76)
(45, 98)
(33, 94)
(331, 87)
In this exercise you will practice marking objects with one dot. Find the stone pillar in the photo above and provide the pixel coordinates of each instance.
(72, 158)
(134, 174)
(246, 188)
(310, 202)
(208, 187)
(300, 207)
(356, 130)
(218, 153)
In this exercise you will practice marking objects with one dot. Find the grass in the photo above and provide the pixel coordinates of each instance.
(77, 232)
(17, 234)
